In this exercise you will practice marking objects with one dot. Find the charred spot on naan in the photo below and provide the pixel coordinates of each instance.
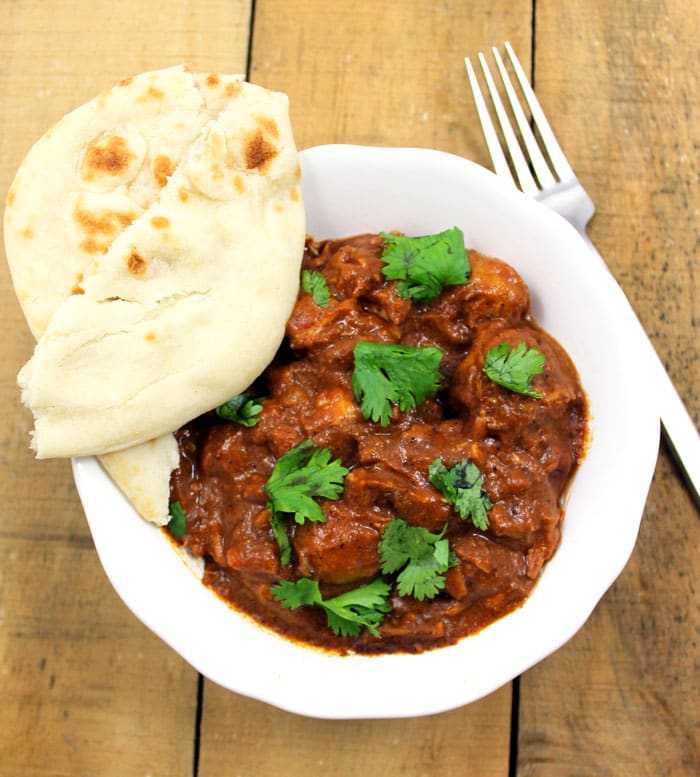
(217, 171)
(112, 159)
(109, 155)
(163, 168)
(160, 222)
(92, 246)
(233, 88)
(217, 86)
(268, 125)
(223, 164)
(258, 150)
(99, 227)
(136, 264)
(151, 93)
(77, 287)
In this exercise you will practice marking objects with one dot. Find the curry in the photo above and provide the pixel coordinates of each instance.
(524, 447)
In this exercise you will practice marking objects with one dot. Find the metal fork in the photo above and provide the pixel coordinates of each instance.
(555, 185)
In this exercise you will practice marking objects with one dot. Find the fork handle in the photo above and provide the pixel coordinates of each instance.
(679, 429)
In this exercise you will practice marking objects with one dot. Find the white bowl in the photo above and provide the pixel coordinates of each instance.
(349, 189)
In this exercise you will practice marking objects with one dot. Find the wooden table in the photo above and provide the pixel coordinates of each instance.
(88, 690)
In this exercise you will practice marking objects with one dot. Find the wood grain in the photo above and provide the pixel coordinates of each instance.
(265, 742)
(382, 73)
(623, 696)
(87, 690)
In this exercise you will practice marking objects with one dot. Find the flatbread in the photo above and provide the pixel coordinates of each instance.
(96, 171)
(143, 475)
(154, 238)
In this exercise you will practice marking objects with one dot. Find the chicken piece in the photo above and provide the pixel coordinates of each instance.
(248, 544)
(547, 427)
(350, 267)
(332, 406)
(340, 550)
(485, 568)
(396, 494)
(495, 292)
(336, 327)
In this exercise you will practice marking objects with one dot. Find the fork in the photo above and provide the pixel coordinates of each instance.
(555, 185)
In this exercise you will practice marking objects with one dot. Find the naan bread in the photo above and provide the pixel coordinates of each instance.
(155, 237)
(96, 171)
(143, 475)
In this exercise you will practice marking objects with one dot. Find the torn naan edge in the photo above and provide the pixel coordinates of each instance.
(100, 169)
(143, 475)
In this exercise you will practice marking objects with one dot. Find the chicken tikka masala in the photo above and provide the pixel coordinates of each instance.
(394, 480)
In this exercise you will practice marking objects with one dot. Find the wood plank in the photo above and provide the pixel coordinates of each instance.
(81, 677)
(621, 82)
(263, 742)
(86, 688)
(383, 74)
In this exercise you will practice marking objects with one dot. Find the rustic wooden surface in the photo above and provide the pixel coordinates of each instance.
(622, 82)
(86, 689)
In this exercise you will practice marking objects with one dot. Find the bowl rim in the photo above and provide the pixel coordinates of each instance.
(307, 680)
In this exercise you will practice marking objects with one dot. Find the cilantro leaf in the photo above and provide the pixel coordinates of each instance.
(463, 486)
(242, 409)
(386, 374)
(346, 614)
(424, 556)
(299, 476)
(425, 265)
(303, 474)
(364, 606)
(298, 593)
(177, 525)
(312, 282)
(513, 368)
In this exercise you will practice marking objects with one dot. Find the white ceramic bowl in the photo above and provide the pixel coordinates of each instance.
(349, 189)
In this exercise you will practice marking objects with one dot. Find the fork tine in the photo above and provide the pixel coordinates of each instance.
(539, 164)
(527, 182)
(556, 155)
(500, 164)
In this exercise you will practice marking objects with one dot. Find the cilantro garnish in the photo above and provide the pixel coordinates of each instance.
(346, 614)
(387, 374)
(312, 282)
(177, 525)
(301, 475)
(425, 265)
(424, 556)
(513, 368)
(463, 486)
(242, 409)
